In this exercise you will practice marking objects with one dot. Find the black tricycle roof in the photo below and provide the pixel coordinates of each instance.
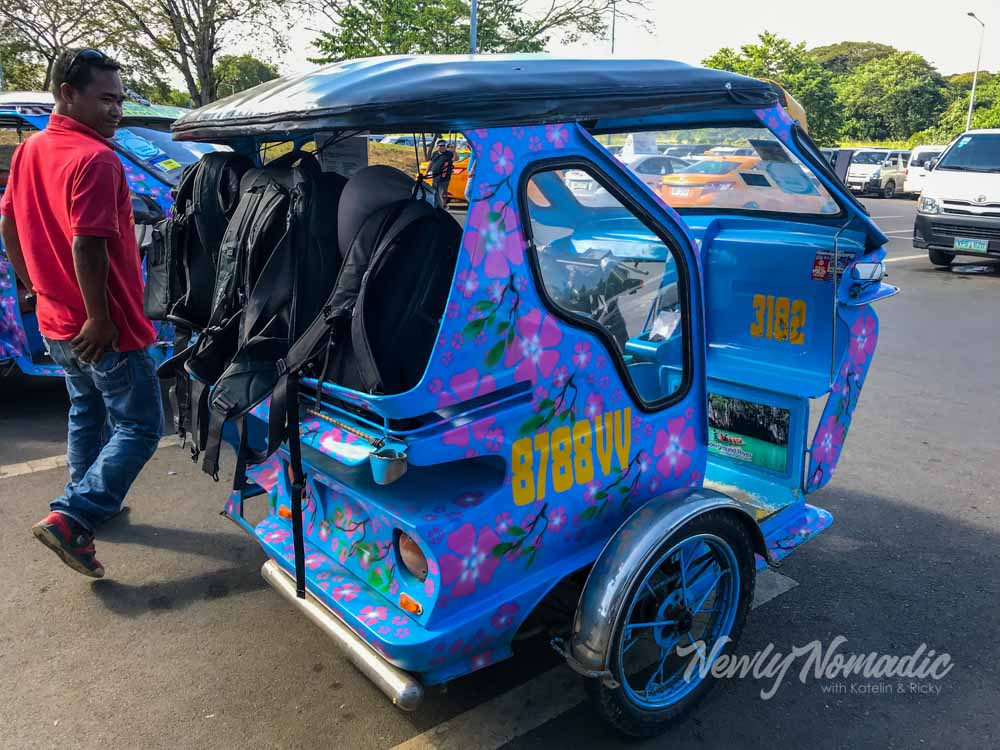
(424, 93)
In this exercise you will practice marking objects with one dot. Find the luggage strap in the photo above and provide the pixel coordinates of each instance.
(305, 348)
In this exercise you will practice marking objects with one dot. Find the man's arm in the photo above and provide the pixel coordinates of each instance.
(90, 259)
(12, 246)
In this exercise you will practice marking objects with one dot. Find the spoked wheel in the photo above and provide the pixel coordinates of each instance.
(695, 592)
(889, 190)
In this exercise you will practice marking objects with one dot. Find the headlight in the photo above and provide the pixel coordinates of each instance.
(928, 205)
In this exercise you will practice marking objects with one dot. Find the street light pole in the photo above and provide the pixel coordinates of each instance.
(975, 76)
(614, 16)
(472, 27)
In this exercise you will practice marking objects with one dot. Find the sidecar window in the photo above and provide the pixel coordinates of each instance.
(749, 170)
(602, 267)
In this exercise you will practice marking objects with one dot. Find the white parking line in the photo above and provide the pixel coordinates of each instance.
(905, 257)
(894, 216)
(508, 716)
(55, 462)
(899, 231)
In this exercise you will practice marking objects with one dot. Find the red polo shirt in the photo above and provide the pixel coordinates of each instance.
(65, 182)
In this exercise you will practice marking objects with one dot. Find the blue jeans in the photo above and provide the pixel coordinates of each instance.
(115, 421)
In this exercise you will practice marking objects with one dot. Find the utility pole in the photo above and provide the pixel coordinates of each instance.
(975, 76)
(614, 16)
(472, 27)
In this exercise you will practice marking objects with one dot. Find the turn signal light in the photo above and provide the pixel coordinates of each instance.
(285, 512)
(409, 604)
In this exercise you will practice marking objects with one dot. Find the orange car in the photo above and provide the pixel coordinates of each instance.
(747, 183)
(704, 182)
(459, 177)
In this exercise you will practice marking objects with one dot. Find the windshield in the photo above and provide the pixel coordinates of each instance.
(154, 150)
(973, 153)
(921, 159)
(710, 167)
(869, 157)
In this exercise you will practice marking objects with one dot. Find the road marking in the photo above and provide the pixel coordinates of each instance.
(56, 462)
(900, 216)
(899, 231)
(904, 257)
(503, 719)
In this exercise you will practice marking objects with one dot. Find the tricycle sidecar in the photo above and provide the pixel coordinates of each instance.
(610, 395)
(152, 163)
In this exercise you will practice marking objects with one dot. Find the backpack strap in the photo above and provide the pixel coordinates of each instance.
(310, 343)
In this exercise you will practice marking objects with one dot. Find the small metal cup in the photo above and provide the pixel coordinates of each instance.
(388, 464)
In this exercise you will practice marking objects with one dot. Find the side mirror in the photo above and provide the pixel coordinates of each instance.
(868, 271)
(930, 164)
(146, 211)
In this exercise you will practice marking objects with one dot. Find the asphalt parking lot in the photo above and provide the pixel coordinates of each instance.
(185, 646)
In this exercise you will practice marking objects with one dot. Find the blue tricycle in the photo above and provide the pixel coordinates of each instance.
(608, 400)
(153, 163)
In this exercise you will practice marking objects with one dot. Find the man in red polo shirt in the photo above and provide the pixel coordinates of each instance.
(68, 230)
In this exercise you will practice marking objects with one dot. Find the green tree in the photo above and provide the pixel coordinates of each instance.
(235, 73)
(366, 28)
(40, 30)
(186, 35)
(843, 57)
(20, 69)
(779, 60)
(952, 120)
(890, 97)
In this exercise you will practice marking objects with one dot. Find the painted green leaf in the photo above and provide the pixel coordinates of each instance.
(532, 424)
(589, 513)
(501, 549)
(623, 490)
(510, 336)
(483, 305)
(516, 531)
(474, 327)
(531, 552)
(601, 495)
(502, 326)
(546, 404)
(495, 353)
(376, 579)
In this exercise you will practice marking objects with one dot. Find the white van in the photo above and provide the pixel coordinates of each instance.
(877, 171)
(916, 170)
(958, 212)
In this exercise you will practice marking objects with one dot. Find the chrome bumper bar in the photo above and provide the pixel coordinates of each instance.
(401, 687)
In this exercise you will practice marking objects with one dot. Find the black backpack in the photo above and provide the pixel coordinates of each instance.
(180, 265)
(288, 272)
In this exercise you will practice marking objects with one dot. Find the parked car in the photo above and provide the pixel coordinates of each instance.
(650, 168)
(730, 151)
(399, 140)
(916, 171)
(958, 212)
(877, 171)
(686, 150)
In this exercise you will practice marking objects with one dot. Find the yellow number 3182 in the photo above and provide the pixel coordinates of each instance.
(779, 318)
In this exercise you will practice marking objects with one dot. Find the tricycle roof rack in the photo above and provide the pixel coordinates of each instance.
(393, 94)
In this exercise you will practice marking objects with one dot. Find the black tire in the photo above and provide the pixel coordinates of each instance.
(614, 704)
(889, 190)
(940, 257)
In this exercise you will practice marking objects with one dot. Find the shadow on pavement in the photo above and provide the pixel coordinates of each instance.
(133, 601)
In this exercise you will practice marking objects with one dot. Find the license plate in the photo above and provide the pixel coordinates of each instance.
(976, 246)
(680, 191)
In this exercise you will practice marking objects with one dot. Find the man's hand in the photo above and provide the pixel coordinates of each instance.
(95, 338)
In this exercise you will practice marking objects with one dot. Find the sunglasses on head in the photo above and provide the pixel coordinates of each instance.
(89, 54)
